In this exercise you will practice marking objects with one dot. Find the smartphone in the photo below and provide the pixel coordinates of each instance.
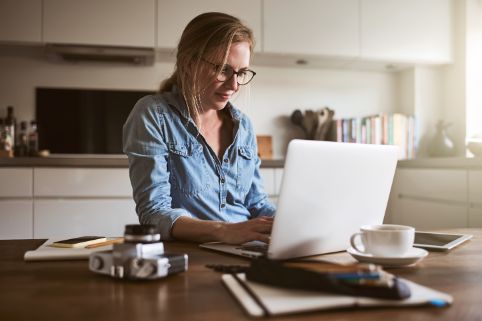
(439, 241)
(78, 242)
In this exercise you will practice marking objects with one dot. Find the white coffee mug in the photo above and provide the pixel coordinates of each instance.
(387, 240)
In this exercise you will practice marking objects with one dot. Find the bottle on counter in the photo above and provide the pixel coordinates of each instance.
(11, 123)
(2, 135)
(21, 149)
(9, 134)
(33, 139)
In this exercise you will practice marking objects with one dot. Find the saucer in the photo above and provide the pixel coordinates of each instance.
(411, 257)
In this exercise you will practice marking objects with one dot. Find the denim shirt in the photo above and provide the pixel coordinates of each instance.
(174, 172)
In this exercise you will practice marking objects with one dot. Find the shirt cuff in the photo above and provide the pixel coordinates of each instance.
(164, 221)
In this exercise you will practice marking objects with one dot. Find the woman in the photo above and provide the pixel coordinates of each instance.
(193, 160)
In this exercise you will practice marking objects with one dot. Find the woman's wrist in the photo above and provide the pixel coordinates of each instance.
(220, 231)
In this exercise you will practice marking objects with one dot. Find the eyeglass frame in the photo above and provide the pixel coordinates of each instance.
(234, 72)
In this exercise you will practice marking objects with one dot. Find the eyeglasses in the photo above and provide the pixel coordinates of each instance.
(226, 72)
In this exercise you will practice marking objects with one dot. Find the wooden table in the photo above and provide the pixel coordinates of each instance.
(67, 290)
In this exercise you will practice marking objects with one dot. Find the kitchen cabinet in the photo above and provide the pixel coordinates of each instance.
(21, 21)
(82, 182)
(272, 182)
(475, 198)
(63, 218)
(79, 201)
(16, 214)
(311, 27)
(406, 31)
(429, 198)
(174, 15)
(129, 23)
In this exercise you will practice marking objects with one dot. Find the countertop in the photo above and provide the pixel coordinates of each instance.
(120, 161)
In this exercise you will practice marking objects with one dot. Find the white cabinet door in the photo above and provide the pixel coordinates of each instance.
(429, 198)
(475, 188)
(174, 15)
(406, 31)
(267, 175)
(100, 22)
(16, 182)
(475, 217)
(433, 184)
(475, 198)
(70, 218)
(21, 21)
(312, 27)
(431, 215)
(16, 219)
(82, 182)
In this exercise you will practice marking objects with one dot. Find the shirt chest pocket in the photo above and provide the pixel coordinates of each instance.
(246, 163)
(187, 168)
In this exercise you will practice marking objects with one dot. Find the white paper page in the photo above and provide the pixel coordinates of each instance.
(48, 253)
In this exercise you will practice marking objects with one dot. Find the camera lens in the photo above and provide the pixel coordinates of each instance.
(141, 233)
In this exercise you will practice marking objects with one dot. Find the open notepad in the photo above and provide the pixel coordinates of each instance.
(263, 300)
(45, 252)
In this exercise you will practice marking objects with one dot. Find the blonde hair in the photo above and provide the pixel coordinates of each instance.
(208, 36)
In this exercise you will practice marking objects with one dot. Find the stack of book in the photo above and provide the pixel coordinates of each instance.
(389, 129)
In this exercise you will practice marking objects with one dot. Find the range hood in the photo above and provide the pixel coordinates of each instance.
(79, 53)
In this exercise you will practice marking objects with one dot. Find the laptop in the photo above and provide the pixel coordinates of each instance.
(327, 192)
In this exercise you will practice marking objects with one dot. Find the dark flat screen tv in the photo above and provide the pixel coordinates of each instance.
(83, 121)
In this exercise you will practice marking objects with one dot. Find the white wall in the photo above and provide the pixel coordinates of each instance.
(274, 94)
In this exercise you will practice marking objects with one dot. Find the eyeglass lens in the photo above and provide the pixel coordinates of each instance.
(243, 76)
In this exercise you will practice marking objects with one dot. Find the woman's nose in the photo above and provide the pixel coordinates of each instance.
(232, 83)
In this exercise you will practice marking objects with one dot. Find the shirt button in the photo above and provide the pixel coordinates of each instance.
(222, 180)
(226, 160)
(223, 205)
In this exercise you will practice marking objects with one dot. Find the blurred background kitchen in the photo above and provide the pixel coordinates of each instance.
(403, 72)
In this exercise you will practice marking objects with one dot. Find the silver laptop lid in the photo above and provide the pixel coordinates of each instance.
(327, 192)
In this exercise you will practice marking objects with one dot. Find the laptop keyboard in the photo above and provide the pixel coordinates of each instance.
(259, 248)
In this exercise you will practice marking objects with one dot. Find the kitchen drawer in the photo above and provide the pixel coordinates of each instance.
(475, 187)
(16, 219)
(82, 182)
(70, 218)
(432, 184)
(15, 182)
(475, 217)
(430, 215)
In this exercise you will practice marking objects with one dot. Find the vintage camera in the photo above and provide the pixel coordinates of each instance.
(141, 256)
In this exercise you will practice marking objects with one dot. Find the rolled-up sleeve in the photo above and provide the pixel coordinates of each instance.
(147, 151)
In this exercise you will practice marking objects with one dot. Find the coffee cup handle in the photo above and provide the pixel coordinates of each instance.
(353, 243)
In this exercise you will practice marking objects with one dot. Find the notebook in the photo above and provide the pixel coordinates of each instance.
(327, 192)
(262, 300)
(45, 252)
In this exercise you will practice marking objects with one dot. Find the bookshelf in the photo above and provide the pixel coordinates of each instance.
(388, 129)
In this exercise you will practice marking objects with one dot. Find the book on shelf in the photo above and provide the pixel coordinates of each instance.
(388, 129)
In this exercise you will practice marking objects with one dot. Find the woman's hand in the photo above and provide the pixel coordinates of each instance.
(256, 229)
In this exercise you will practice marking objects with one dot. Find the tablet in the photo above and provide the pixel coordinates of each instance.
(439, 241)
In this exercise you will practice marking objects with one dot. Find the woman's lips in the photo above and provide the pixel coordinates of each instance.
(223, 96)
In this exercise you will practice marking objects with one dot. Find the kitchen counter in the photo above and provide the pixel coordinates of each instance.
(442, 163)
(109, 161)
(120, 161)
